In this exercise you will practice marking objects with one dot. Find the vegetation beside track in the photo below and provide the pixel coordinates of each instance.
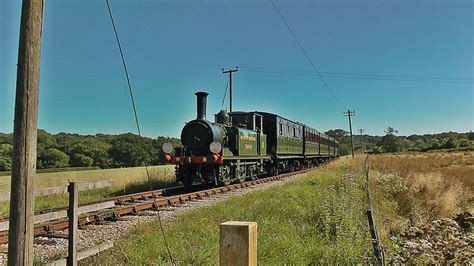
(416, 189)
(126, 181)
(319, 218)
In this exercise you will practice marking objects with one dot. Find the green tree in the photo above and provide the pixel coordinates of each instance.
(342, 137)
(434, 144)
(46, 140)
(390, 142)
(470, 135)
(6, 138)
(126, 150)
(464, 143)
(5, 164)
(391, 131)
(451, 143)
(6, 157)
(52, 158)
(81, 160)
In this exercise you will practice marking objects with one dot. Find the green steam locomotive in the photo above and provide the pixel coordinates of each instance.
(245, 145)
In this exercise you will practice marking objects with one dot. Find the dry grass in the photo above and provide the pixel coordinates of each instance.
(412, 189)
(126, 181)
(121, 176)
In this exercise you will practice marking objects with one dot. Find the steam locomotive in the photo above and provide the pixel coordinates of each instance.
(245, 145)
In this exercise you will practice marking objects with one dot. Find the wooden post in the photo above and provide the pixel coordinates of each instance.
(73, 224)
(20, 240)
(238, 243)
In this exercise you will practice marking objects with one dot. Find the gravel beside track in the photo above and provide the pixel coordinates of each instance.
(48, 249)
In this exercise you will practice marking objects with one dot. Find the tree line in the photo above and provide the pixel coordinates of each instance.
(393, 143)
(123, 150)
(100, 150)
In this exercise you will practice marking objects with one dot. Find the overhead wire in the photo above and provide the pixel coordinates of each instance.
(307, 56)
(350, 74)
(225, 93)
(136, 120)
(355, 77)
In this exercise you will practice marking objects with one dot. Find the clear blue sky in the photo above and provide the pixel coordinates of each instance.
(174, 48)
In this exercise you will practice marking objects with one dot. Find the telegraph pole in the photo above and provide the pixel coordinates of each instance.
(349, 114)
(361, 142)
(20, 233)
(230, 71)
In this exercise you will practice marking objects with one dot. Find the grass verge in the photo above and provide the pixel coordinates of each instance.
(318, 218)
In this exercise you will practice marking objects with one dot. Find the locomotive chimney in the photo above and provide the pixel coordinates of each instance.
(201, 105)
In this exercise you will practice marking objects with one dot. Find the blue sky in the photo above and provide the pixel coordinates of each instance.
(174, 48)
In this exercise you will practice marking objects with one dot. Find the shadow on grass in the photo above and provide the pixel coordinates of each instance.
(144, 186)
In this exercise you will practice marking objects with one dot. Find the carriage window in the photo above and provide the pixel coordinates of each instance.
(281, 129)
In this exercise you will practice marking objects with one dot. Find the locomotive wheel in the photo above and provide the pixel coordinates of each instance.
(225, 175)
(275, 170)
(187, 181)
(240, 174)
(185, 175)
(253, 172)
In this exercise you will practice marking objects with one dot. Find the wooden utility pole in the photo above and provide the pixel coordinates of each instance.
(20, 234)
(230, 71)
(361, 131)
(349, 114)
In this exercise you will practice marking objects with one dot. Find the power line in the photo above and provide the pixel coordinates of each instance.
(349, 74)
(225, 93)
(306, 55)
(136, 118)
(356, 77)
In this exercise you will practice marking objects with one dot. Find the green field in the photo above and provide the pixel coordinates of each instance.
(126, 181)
(319, 218)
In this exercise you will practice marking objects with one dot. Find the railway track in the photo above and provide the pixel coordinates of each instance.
(138, 202)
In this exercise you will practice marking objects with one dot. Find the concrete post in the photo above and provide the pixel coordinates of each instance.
(238, 243)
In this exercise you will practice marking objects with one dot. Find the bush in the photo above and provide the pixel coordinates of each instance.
(81, 160)
(52, 158)
(5, 164)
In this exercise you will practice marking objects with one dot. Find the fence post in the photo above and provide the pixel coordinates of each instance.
(238, 243)
(73, 223)
(378, 249)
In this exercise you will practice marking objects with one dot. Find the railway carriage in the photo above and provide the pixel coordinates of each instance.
(245, 145)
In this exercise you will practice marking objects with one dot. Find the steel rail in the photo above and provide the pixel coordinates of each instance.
(149, 200)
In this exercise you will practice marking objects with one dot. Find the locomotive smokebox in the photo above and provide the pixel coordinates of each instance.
(201, 105)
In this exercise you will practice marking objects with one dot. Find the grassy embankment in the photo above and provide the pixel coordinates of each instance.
(319, 218)
(126, 181)
(413, 189)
